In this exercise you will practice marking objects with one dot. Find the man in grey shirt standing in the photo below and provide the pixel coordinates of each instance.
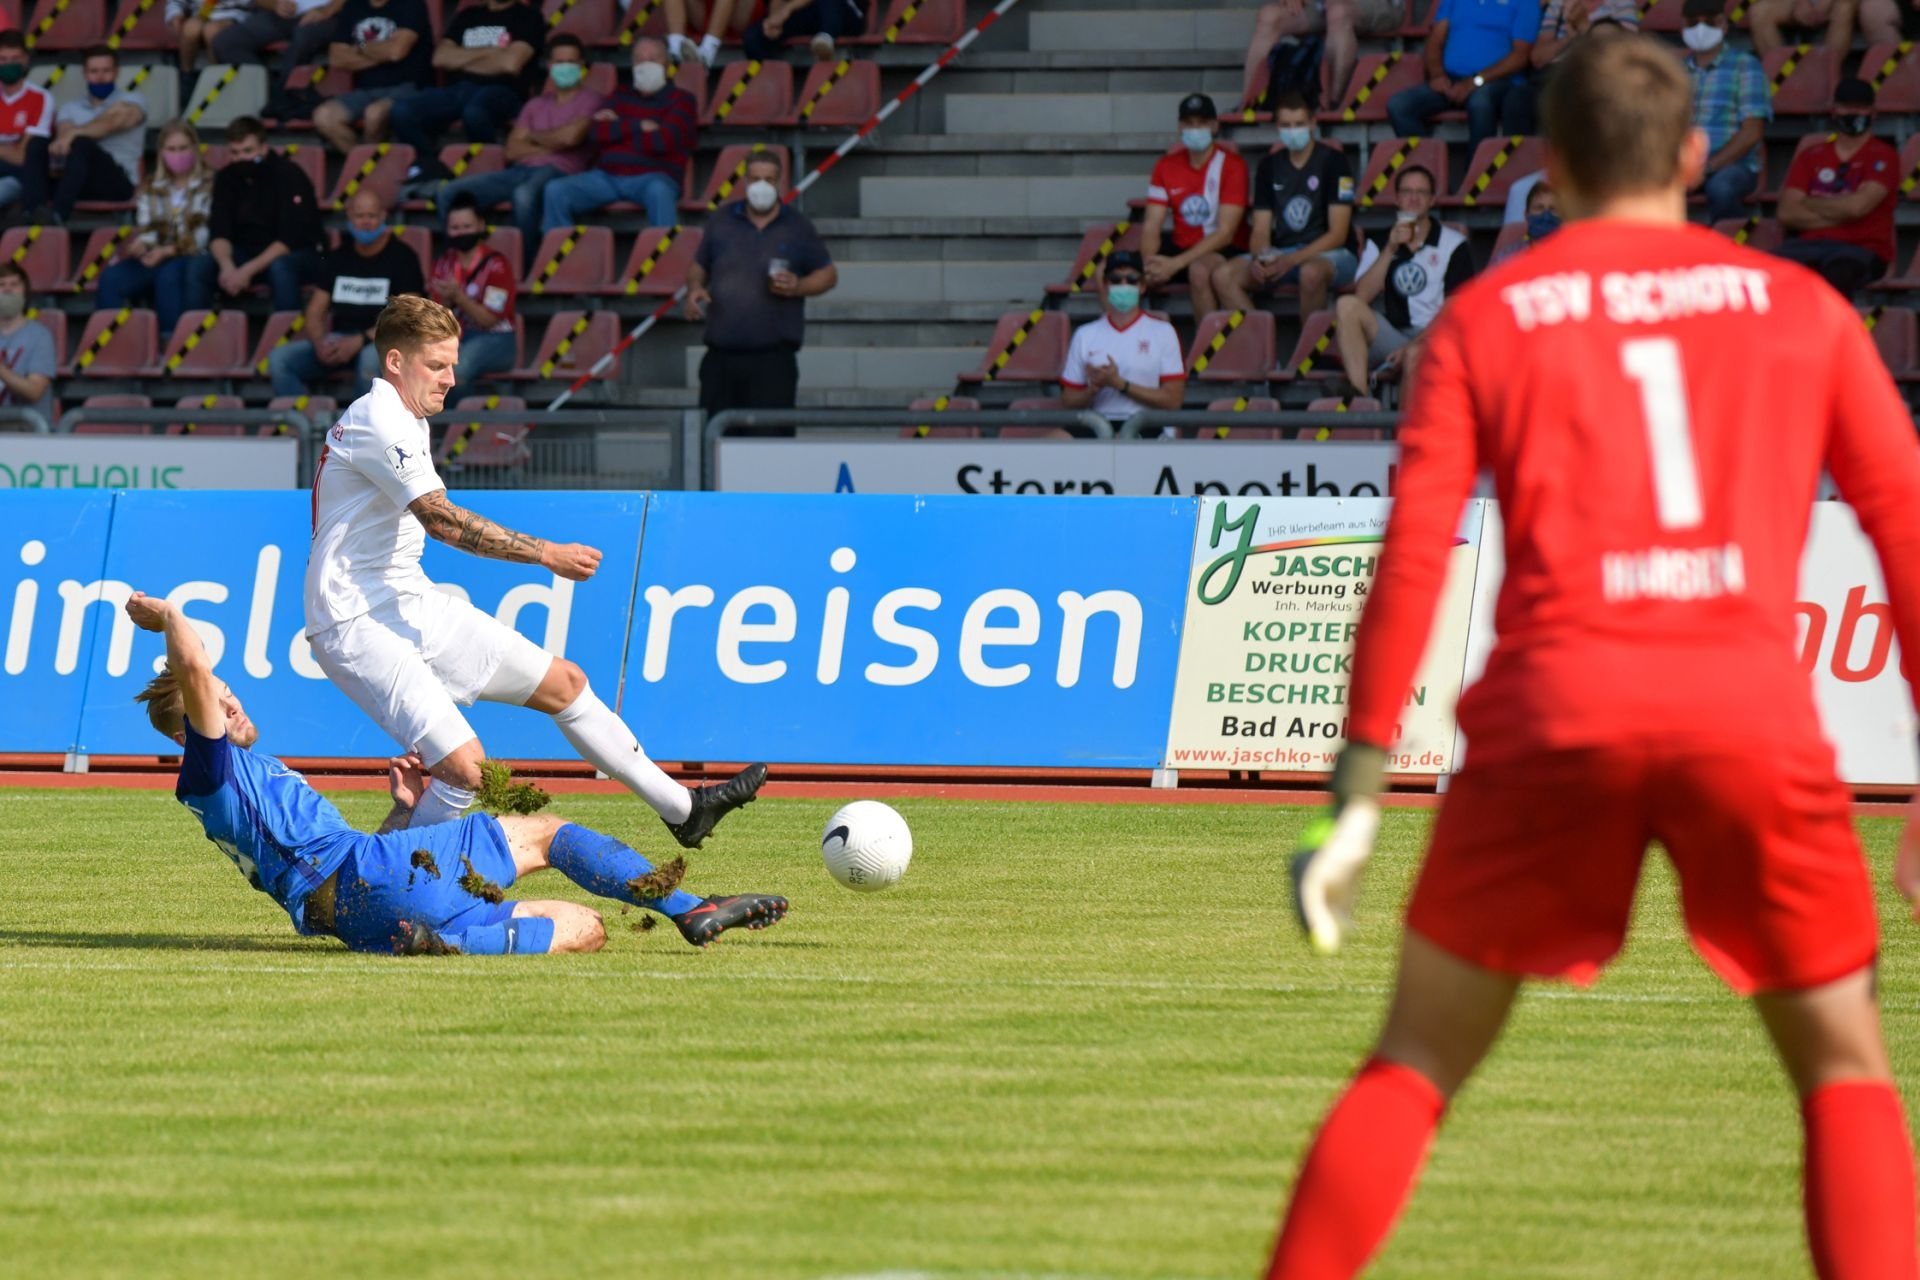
(27, 359)
(96, 143)
(759, 260)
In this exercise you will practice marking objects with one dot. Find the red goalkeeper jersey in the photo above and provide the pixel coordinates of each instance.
(1655, 405)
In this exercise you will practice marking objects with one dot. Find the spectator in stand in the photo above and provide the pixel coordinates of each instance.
(1879, 21)
(1480, 50)
(1542, 220)
(716, 17)
(96, 144)
(758, 263)
(487, 55)
(1731, 104)
(478, 285)
(194, 25)
(1562, 23)
(265, 219)
(352, 284)
(27, 358)
(824, 20)
(26, 116)
(1302, 219)
(1423, 261)
(641, 137)
(1126, 360)
(1204, 185)
(1839, 198)
(166, 263)
(1342, 21)
(548, 141)
(383, 43)
(303, 25)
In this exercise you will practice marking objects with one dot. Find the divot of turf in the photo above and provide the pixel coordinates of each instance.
(499, 793)
(479, 886)
(660, 881)
(645, 924)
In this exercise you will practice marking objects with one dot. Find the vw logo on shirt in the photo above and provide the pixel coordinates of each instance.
(1298, 213)
(1196, 211)
(1409, 279)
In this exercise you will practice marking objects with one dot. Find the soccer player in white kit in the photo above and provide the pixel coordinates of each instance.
(411, 656)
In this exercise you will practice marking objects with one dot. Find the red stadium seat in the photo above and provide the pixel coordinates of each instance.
(421, 241)
(103, 246)
(319, 410)
(1662, 16)
(1512, 239)
(487, 445)
(1897, 334)
(1763, 234)
(116, 344)
(571, 260)
(44, 253)
(602, 78)
(931, 428)
(208, 428)
(1894, 71)
(752, 94)
(640, 18)
(1337, 404)
(933, 22)
(1376, 78)
(691, 75)
(653, 272)
(1496, 165)
(727, 182)
(591, 20)
(1802, 79)
(115, 428)
(1314, 355)
(281, 328)
(1226, 430)
(312, 160)
(1910, 168)
(1906, 281)
(573, 342)
(207, 344)
(1393, 155)
(843, 103)
(65, 24)
(1245, 351)
(1041, 350)
(139, 25)
(379, 167)
(330, 83)
(505, 241)
(55, 323)
(1079, 279)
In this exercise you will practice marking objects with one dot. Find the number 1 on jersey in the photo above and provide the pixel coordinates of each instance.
(1654, 364)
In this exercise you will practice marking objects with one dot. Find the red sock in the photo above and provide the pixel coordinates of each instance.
(1859, 1183)
(1358, 1175)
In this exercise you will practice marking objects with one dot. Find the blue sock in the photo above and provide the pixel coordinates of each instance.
(603, 866)
(522, 936)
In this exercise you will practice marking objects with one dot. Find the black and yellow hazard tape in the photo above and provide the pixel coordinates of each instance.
(739, 90)
(200, 331)
(1100, 256)
(20, 254)
(132, 20)
(1214, 347)
(840, 70)
(892, 34)
(467, 157)
(1872, 318)
(1738, 15)
(559, 15)
(1395, 162)
(1312, 358)
(1747, 228)
(458, 445)
(193, 116)
(367, 167)
(1891, 65)
(636, 19)
(293, 331)
(46, 24)
(1794, 58)
(1238, 406)
(739, 172)
(206, 402)
(108, 248)
(565, 251)
(1367, 90)
(299, 405)
(653, 257)
(103, 339)
(1912, 180)
(1507, 151)
(566, 345)
(999, 363)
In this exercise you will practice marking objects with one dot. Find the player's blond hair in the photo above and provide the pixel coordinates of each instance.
(165, 702)
(410, 322)
(1618, 111)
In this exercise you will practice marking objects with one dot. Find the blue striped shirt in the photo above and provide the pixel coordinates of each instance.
(1728, 93)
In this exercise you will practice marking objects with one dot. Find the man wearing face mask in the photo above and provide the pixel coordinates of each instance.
(1542, 220)
(1424, 262)
(1126, 360)
(1731, 103)
(352, 285)
(487, 56)
(96, 141)
(1204, 187)
(758, 262)
(26, 114)
(26, 347)
(641, 138)
(1838, 200)
(1302, 219)
(265, 223)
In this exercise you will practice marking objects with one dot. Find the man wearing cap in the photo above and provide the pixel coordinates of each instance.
(1731, 104)
(1126, 360)
(1205, 187)
(1479, 50)
(1838, 200)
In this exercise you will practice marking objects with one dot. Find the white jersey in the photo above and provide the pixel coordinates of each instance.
(366, 544)
(1146, 352)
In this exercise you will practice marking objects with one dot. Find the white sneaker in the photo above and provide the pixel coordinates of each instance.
(677, 47)
(709, 50)
(822, 46)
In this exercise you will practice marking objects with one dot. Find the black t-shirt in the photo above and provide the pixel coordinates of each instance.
(360, 23)
(361, 284)
(1299, 198)
(482, 28)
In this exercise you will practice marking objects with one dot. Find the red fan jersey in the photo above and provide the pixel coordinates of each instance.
(1655, 405)
(1196, 196)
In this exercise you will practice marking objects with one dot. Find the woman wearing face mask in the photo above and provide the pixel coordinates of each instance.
(166, 262)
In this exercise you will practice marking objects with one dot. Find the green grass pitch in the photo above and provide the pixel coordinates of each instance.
(1076, 1041)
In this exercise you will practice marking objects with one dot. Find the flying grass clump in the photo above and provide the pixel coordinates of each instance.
(499, 793)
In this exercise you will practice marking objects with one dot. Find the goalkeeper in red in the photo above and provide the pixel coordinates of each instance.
(1655, 405)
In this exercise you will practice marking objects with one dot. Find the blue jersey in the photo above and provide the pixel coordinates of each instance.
(285, 837)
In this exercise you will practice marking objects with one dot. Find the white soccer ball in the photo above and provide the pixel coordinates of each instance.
(866, 846)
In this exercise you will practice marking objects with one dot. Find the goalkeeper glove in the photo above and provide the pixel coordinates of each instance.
(1335, 846)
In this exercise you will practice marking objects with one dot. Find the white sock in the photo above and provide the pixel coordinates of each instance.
(604, 741)
(677, 48)
(441, 803)
(709, 48)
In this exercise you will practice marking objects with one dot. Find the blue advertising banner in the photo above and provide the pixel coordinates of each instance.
(53, 544)
(236, 562)
(902, 630)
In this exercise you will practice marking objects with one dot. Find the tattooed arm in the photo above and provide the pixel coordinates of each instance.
(477, 535)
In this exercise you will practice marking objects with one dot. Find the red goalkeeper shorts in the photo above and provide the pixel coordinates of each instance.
(1535, 860)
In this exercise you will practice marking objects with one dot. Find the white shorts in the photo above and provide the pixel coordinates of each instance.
(414, 661)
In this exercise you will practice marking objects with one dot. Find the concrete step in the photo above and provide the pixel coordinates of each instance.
(1133, 31)
(936, 281)
(1153, 115)
(1090, 196)
(913, 369)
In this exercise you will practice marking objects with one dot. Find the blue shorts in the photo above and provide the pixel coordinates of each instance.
(380, 886)
(1345, 268)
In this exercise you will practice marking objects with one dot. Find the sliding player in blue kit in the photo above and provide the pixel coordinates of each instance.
(433, 889)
